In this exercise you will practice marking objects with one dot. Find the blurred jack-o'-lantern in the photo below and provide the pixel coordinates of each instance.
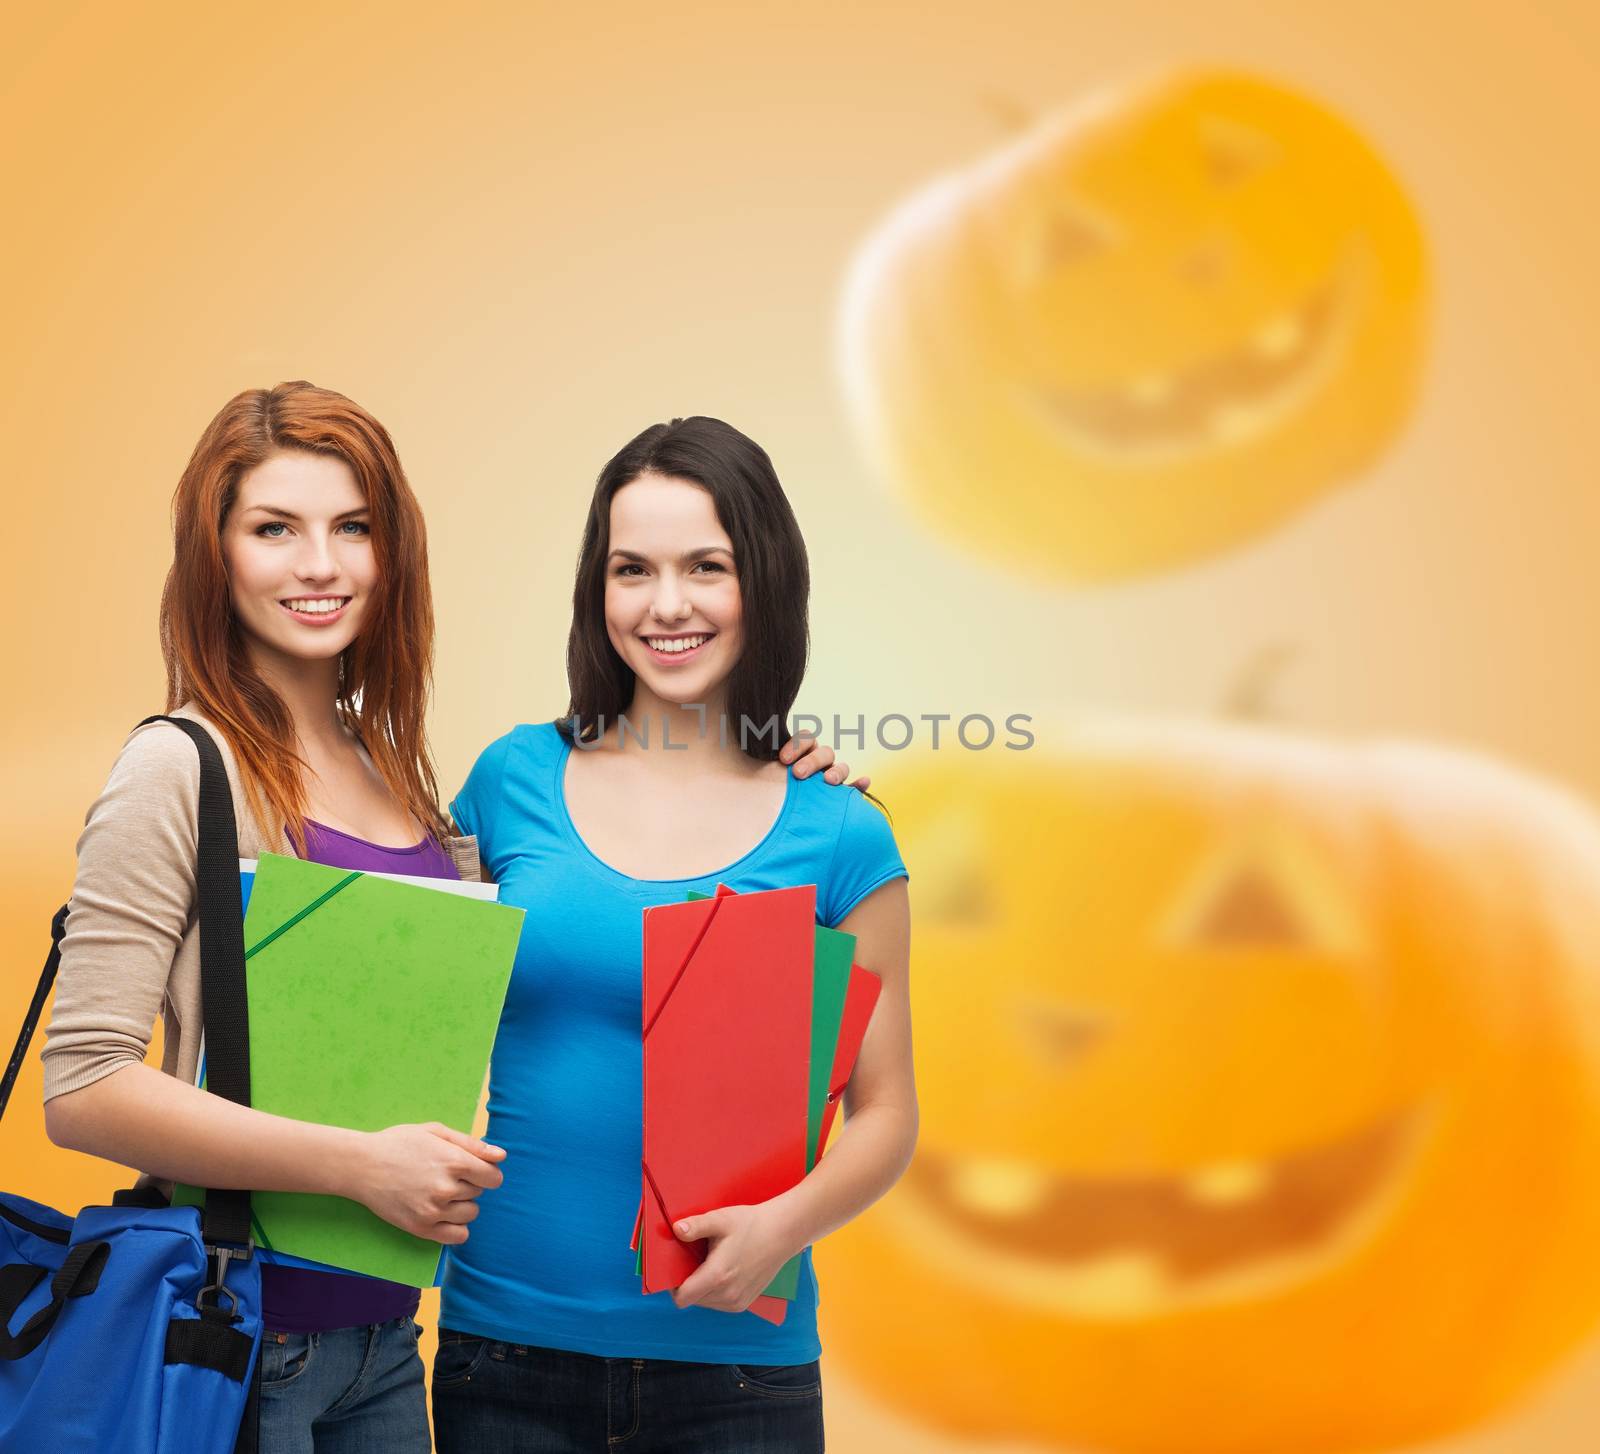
(1150, 329)
(1260, 1088)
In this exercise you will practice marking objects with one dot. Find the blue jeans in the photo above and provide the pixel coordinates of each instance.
(348, 1391)
(503, 1398)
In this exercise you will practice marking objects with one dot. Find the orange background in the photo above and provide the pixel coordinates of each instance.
(518, 234)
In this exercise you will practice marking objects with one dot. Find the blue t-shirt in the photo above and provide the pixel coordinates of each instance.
(547, 1262)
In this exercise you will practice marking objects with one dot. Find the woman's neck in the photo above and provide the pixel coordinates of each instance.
(310, 691)
(677, 736)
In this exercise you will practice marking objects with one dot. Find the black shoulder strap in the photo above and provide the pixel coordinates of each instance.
(222, 985)
(222, 982)
(30, 1021)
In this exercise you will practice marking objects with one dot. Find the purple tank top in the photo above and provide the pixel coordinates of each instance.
(299, 1299)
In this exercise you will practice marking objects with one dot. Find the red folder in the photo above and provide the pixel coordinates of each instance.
(861, 998)
(727, 1029)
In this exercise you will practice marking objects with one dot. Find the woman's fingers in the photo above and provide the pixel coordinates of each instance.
(468, 1143)
(806, 753)
(425, 1178)
(479, 1166)
(483, 1175)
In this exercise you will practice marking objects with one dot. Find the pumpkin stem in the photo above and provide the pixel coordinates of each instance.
(1247, 699)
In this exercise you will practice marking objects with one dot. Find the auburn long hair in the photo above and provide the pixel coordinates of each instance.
(386, 673)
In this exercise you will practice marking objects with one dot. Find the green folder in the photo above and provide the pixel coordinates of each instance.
(372, 1004)
(830, 980)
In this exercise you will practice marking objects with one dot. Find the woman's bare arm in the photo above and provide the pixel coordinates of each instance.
(420, 1178)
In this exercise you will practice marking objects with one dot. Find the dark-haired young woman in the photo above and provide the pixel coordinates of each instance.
(689, 623)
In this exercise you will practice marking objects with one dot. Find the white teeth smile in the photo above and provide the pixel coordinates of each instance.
(673, 644)
(318, 608)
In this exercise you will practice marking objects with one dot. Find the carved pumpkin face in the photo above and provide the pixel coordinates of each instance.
(1247, 1067)
(1147, 331)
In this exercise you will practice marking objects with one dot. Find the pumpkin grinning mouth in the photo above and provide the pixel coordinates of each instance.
(1125, 1246)
(1227, 399)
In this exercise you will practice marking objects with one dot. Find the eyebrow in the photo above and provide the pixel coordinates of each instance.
(283, 514)
(699, 553)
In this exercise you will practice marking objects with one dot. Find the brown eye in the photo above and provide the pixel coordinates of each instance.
(1232, 153)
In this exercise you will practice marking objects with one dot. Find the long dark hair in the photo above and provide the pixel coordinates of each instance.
(774, 581)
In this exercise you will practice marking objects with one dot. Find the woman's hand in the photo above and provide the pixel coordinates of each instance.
(805, 755)
(746, 1247)
(425, 1179)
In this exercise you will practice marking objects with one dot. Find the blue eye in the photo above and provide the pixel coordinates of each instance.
(360, 527)
(271, 528)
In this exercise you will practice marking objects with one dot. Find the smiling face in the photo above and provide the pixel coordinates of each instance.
(672, 600)
(1219, 1035)
(298, 549)
(1150, 329)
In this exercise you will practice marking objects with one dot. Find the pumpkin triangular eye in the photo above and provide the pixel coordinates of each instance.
(955, 886)
(1073, 234)
(1232, 151)
(961, 901)
(1266, 888)
(1249, 911)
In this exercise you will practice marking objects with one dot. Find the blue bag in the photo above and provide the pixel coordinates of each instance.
(134, 1328)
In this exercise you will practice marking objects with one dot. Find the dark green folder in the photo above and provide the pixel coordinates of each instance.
(830, 981)
(372, 1004)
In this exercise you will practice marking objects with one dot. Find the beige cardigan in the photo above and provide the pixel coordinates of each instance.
(132, 946)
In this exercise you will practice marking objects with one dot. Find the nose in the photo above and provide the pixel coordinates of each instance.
(1060, 1034)
(669, 603)
(316, 562)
